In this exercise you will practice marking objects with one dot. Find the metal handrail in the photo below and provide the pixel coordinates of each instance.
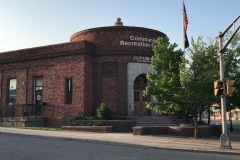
(20, 110)
(26, 110)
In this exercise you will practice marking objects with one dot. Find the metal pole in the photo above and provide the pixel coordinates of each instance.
(231, 126)
(225, 142)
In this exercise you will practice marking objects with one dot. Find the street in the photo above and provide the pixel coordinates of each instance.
(17, 147)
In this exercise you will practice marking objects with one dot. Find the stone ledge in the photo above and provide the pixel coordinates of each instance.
(152, 130)
(20, 121)
(100, 129)
(118, 125)
(203, 131)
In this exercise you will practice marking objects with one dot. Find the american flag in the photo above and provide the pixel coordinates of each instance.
(185, 24)
(185, 19)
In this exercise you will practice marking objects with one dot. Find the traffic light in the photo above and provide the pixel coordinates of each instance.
(229, 86)
(218, 88)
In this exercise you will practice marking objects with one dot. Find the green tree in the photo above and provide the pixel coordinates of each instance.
(212, 72)
(164, 83)
(197, 79)
(177, 85)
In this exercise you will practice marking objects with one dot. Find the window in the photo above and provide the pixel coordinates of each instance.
(137, 82)
(136, 96)
(12, 86)
(68, 90)
(145, 98)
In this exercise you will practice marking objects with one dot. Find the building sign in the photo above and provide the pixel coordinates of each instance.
(142, 59)
(138, 41)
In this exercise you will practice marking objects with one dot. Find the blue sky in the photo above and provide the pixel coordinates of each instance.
(33, 23)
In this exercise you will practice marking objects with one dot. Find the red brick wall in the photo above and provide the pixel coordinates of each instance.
(68, 67)
(122, 108)
(54, 72)
(110, 92)
(57, 50)
(88, 86)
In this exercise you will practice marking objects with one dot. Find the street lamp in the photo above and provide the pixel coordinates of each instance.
(225, 142)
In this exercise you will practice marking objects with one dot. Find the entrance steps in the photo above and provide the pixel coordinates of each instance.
(22, 121)
(155, 121)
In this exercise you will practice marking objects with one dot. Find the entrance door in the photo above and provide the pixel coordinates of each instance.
(38, 93)
(139, 98)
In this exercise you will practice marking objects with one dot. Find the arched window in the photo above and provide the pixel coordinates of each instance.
(140, 82)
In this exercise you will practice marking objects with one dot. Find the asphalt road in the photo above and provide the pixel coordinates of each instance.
(16, 147)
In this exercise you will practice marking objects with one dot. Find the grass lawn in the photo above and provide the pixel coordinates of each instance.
(36, 128)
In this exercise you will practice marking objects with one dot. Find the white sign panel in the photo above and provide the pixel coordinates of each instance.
(142, 59)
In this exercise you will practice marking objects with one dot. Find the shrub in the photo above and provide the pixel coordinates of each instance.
(103, 112)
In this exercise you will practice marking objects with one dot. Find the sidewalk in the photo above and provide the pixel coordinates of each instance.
(128, 139)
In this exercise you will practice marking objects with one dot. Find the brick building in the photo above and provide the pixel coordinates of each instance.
(62, 81)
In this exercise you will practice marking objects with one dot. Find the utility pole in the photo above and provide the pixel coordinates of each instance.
(224, 139)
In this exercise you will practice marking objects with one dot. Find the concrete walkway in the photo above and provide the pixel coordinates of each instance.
(128, 139)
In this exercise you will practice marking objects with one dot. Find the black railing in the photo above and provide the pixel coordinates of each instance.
(23, 110)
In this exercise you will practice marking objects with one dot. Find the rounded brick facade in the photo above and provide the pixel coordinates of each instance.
(121, 39)
(101, 62)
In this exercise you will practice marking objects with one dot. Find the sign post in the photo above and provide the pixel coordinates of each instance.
(225, 142)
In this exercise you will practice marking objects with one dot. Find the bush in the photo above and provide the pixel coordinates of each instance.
(103, 112)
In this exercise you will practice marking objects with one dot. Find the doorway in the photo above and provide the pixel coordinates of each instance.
(139, 99)
(38, 93)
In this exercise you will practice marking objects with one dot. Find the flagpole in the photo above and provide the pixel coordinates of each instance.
(183, 28)
(185, 24)
(183, 35)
